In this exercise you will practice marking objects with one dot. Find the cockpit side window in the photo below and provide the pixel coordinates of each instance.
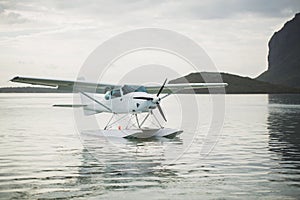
(115, 93)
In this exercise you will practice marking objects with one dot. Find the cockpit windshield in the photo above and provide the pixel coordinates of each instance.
(141, 89)
(131, 88)
(107, 95)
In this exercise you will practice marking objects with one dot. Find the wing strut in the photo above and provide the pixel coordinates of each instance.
(98, 102)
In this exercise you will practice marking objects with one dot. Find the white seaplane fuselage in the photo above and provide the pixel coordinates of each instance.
(119, 102)
(126, 104)
(133, 105)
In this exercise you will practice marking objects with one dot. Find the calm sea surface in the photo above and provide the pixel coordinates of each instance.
(257, 156)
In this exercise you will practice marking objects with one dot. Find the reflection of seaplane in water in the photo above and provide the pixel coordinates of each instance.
(129, 100)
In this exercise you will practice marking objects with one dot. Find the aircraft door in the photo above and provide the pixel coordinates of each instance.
(117, 104)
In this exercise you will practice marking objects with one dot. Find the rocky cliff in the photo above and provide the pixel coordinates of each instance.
(284, 55)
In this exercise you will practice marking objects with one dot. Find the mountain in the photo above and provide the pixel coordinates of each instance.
(236, 84)
(284, 55)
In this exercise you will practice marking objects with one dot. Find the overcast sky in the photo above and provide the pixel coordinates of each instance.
(53, 38)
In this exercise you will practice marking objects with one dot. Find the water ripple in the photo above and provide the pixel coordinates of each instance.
(257, 156)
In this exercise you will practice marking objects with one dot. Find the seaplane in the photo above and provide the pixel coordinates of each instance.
(130, 101)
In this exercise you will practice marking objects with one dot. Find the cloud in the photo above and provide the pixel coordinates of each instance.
(9, 17)
(140, 11)
(62, 33)
(219, 9)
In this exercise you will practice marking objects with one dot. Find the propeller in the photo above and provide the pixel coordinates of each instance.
(157, 102)
(161, 88)
(161, 112)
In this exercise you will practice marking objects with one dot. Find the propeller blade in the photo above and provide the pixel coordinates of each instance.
(161, 88)
(144, 98)
(161, 112)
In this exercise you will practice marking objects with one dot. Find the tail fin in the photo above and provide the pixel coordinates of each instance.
(89, 105)
(90, 108)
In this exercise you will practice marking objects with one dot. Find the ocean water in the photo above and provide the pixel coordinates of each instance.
(256, 154)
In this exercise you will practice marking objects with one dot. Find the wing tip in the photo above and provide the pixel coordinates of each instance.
(14, 79)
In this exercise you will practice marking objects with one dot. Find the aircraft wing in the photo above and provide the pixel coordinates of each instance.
(67, 85)
(102, 88)
(174, 88)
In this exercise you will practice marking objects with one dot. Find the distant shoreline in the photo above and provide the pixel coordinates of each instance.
(236, 85)
(29, 90)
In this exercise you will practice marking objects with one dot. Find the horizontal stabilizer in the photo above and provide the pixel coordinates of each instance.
(70, 105)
